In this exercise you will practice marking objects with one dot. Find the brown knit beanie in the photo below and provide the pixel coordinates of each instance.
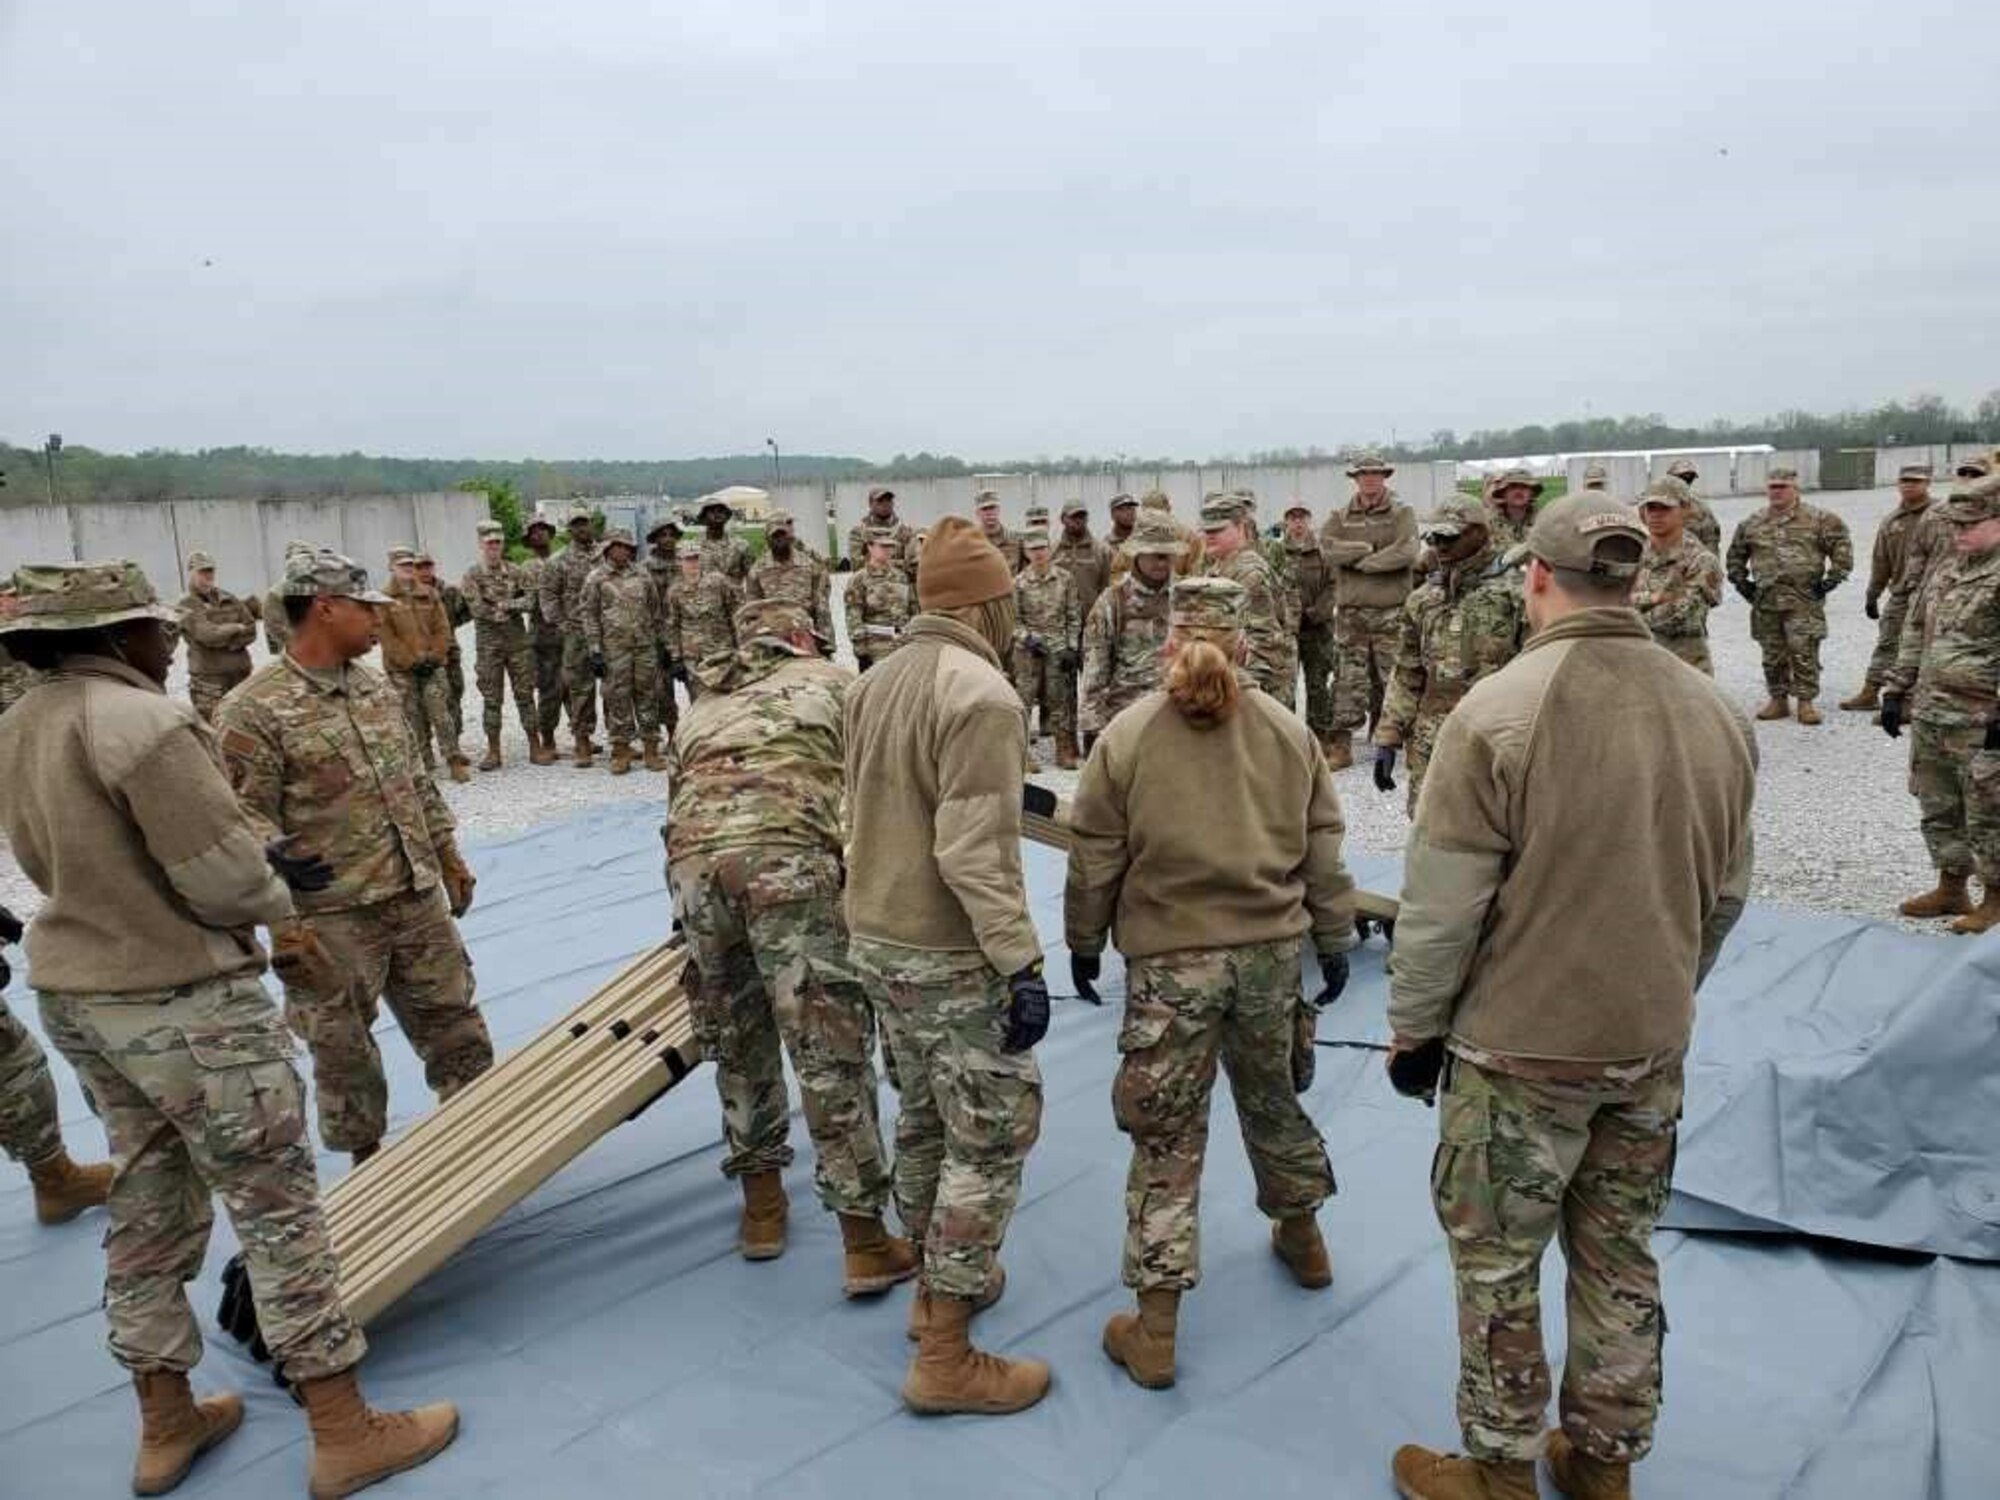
(959, 567)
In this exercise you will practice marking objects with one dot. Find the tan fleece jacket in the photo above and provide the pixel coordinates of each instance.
(935, 746)
(118, 812)
(1183, 837)
(415, 628)
(1581, 849)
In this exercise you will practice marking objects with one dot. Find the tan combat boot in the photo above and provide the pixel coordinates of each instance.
(949, 1375)
(1296, 1241)
(621, 757)
(920, 1306)
(760, 1234)
(64, 1189)
(1985, 915)
(1582, 1477)
(540, 751)
(460, 768)
(1143, 1342)
(1422, 1474)
(1339, 751)
(1776, 708)
(1066, 757)
(355, 1445)
(876, 1259)
(650, 747)
(1866, 701)
(1808, 712)
(581, 758)
(175, 1429)
(492, 761)
(1950, 899)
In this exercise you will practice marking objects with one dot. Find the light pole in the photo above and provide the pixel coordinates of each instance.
(777, 467)
(49, 452)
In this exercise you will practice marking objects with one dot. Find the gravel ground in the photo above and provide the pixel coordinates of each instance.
(1836, 828)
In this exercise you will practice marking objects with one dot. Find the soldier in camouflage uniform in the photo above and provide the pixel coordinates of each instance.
(501, 596)
(1946, 686)
(457, 614)
(1124, 512)
(882, 517)
(662, 564)
(1680, 580)
(1702, 524)
(1510, 504)
(146, 962)
(317, 751)
(1285, 592)
(986, 506)
(1229, 550)
(700, 617)
(1047, 643)
(218, 628)
(787, 572)
(416, 641)
(621, 621)
(753, 858)
(1785, 559)
(562, 583)
(1464, 623)
(1596, 476)
(1309, 581)
(546, 642)
(1126, 630)
(1205, 988)
(1371, 545)
(1908, 542)
(277, 629)
(1087, 559)
(879, 601)
(724, 555)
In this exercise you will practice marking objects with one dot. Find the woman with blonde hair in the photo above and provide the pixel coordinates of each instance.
(1206, 838)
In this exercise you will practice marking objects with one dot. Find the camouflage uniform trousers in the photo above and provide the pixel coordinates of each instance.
(503, 660)
(1045, 683)
(1888, 638)
(581, 685)
(1364, 648)
(631, 692)
(1789, 639)
(1417, 747)
(1519, 1162)
(1184, 1012)
(970, 1112)
(550, 693)
(1320, 659)
(765, 932)
(454, 673)
(29, 1131)
(405, 950)
(206, 689)
(1957, 787)
(198, 1094)
(427, 710)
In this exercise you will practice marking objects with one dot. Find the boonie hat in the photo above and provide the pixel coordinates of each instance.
(82, 596)
(661, 527)
(1370, 462)
(778, 520)
(1568, 533)
(1509, 477)
(1453, 516)
(618, 536)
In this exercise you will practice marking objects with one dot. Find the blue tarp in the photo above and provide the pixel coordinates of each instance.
(605, 1338)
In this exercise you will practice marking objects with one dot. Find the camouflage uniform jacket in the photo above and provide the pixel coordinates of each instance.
(1045, 609)
(1457, 628)
(1903, 539)
(1676, 590)
(1009, 545)
(728, 556)
(701, 617)
(802, 580)
(878, 604)
(1703, 526)
(1950, 650)
(1121, 650)
(1310, 578)
(760, 762)
(541, 629)
(1088, 563)
(277, 624)
(562, 580)
(219, 628)
(904, 554)
(1782, 554)
(1278, 558)
(1263, 614)
(499, 597)
(1372, 553)
(1506, 532)
(457, 611)
(327, 755)
(415, 628)
(621, 609)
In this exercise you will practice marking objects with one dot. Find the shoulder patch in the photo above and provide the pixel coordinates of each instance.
(237, 742)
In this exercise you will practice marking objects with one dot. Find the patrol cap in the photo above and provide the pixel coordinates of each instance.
(486, 529)
(423, 559)
(1154, 536)
(1037, 513)
(82, 596)
(986, 500)
(1078, 508)
(199, 561)
(880, 492)
(1569, 531)
(1298, 507)
(1206, 603)
(778, 520)
(1369, 462)
(1684, 468)
(1668, 489)
(708, 503)
(1116, 500)
(1914, 471)
(397, 553)
(1975, 502)
(773, 619)
(1035, 537)
(1453, 516)
(1219, 512)
(327, 575)
(1781, 475)
(1509, 477)
(690, 547)
(660, 528)
(1595, 475)
(618, 536)
(882, 535)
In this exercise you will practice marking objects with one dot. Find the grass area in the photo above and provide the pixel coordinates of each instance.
(1554, 489)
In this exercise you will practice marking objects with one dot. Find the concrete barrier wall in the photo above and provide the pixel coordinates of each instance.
(1716, 476)
(35, 533)
(1627, 471)
(314, 521)
(142, 533)
(221, 529)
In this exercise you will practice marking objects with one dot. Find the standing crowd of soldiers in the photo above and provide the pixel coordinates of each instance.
(844, 857)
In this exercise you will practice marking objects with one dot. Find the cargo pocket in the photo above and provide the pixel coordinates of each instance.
(1135, 1091)
(252, 1103)
(1461, 1168)
(808, 878)
(996, 1111)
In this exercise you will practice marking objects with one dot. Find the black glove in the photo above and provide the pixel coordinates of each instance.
(665, 662)
(1036, 647)
(1385, 768)
(1992, 740)
(1027, 1009)
(1892, 716)
(1067, 660)
(237, 1312)
(1872, 609)
(597, 667)
(1333, 973)
(1089, 739)
(681, 674)
(302, 872)
(1821, 587)
(1083, 972)
(10, 927)
(1414, 1074)
(1748, 591)
(423, 671)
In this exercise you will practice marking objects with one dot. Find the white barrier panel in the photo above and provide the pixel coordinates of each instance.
(448, 528)
(369, 528)
(230, 531)
(142, 533)
(35, 534)
(1716, 472)
(316, 522)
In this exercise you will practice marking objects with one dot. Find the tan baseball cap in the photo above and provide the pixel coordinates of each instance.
(1568, 533)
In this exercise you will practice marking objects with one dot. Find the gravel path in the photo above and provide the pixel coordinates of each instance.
(1836, 828)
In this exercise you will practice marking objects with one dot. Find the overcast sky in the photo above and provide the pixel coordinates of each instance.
(508, 229)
